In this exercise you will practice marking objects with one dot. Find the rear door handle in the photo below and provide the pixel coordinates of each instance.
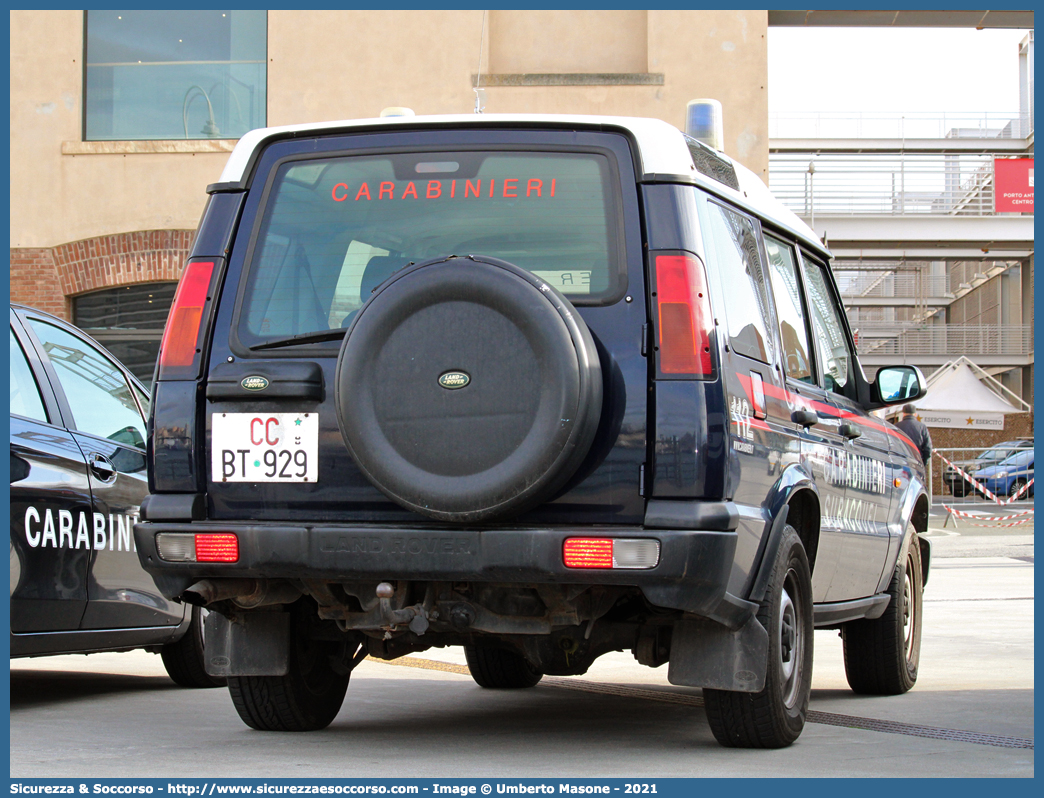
(850, 431)
(102, 468)
(757, 390)
(806, 418)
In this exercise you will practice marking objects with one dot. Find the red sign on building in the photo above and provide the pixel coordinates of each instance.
(1013, 185)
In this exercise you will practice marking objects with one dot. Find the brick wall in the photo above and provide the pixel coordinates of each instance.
(1016, 425)
(35, 282)
(46, 278)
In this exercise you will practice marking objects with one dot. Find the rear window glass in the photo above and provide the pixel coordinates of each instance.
(334, 229)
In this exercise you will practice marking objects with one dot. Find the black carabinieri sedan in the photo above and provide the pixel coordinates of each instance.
(77, 481)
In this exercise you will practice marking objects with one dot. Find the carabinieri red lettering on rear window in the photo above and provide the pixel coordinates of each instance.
(504, 188)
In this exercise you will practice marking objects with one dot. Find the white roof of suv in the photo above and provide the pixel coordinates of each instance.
(661, 146)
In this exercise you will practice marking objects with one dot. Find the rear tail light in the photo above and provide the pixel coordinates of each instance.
(618, 553)
(181, 335)
(217, 548)
(588, 553)
(199, 547)
(684, 320)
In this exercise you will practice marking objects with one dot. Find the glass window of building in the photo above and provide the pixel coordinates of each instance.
(128, 321)
(175, 74)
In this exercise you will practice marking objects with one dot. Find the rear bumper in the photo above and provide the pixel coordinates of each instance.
(691, 575)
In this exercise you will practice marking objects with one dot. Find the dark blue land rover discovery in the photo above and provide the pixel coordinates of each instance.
(541, 387)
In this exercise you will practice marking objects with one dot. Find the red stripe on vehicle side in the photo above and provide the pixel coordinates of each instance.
(829, 411)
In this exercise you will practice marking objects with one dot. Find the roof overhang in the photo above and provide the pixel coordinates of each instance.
(998, 237)
(902, 19)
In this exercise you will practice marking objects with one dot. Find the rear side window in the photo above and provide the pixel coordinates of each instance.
(332, 230)
(25, 395)
(735, 249)
(786, 288)
(828, 329)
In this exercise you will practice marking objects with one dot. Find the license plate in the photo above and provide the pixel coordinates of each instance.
(265, 447)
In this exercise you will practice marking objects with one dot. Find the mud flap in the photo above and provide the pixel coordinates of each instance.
(707, 654)
(256, 644)
(926, 558)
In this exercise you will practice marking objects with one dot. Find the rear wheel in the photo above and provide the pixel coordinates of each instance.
(774, 717)
(499, 669)
(184, 659)
(307, 698)
(881, 655)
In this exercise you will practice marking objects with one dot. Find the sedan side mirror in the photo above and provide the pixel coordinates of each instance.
(896, 385)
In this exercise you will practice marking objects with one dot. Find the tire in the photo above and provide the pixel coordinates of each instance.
(307, 698)
(495, 668)
(1016, 486)
(467, 389)
(881, 655)
(184, 659)
(774, 717)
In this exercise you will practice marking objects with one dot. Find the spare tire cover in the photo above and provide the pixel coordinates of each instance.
(468, 389)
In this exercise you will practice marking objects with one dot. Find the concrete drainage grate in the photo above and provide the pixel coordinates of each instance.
(814, 716)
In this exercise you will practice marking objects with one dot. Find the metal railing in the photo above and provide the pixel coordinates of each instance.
(890, 283)
(944, 184)
(862, 315)
(951, 340)
(917, 125)
(949, 487)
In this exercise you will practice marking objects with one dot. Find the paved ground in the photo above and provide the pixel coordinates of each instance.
(117, 715)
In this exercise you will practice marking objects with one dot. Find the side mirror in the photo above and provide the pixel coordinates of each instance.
(896, 385)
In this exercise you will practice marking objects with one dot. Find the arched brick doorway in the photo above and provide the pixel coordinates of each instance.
(119, 287)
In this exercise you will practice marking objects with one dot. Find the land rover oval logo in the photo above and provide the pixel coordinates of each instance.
(454, 379)
(255, 383)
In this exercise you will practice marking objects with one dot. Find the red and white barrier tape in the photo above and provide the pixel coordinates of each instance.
(978, 517)
(1021, 522)
(979, 486)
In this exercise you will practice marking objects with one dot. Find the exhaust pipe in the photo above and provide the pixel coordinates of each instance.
(245, 593)
(268, 593)
(207, 591)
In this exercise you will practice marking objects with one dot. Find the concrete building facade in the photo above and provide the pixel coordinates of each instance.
(91, 215)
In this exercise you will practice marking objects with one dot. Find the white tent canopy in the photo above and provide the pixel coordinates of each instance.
(958, 398)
